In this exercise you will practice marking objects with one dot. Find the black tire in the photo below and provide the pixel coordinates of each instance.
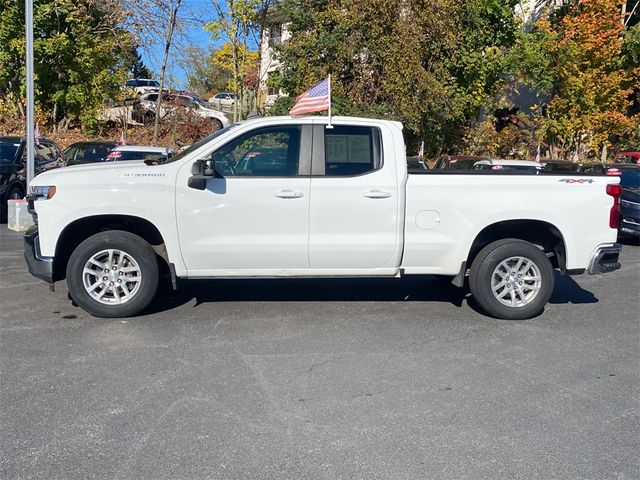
(525, 303)
(137, 255)
(16, 192)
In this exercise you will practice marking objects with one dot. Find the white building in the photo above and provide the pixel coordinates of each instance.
(273, 35)
(530, 11)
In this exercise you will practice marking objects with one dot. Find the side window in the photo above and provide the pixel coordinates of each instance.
(351, 150)
(71, 153)
(267, 152)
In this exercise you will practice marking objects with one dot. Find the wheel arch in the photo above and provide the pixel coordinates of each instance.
(81, 229)
(537, 232)
(15, 183)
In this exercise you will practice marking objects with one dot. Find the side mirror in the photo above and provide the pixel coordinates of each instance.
(200, 172)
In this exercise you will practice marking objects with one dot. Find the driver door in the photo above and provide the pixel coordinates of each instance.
(253, 217)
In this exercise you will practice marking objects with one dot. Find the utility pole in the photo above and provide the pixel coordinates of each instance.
(30, 110)
(167, 47)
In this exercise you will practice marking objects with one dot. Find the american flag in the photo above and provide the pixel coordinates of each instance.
(315, 99)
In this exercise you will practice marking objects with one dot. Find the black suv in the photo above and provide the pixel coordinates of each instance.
(13, 164)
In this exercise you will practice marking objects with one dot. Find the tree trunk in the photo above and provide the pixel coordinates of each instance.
(235, 80)
(167, 47)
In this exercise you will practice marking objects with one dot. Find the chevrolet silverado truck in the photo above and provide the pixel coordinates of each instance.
(283, 197)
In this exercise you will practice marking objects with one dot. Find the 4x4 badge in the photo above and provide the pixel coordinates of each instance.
(577, 180)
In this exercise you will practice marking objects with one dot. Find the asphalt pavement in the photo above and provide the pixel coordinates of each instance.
(319, 379)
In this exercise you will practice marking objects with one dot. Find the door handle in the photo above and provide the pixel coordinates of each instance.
(289, 194)
(376, 194)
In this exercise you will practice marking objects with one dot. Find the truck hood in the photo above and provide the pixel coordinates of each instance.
(90, 171)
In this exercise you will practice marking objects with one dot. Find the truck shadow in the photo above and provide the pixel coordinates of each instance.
(409, 289)
(412, 289)
(567, 290)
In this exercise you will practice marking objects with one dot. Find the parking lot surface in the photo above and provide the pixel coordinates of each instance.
(319, 379)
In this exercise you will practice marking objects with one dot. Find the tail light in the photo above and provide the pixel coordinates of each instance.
(614, 215)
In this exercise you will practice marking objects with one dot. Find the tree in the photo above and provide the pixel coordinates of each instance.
(204, 76)
(171, 25)
(430, 64)
(77, 50)
(239, 23)
(579, 59)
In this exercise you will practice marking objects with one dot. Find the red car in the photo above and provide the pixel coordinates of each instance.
(627, 158)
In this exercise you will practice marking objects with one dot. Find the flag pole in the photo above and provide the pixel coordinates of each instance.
(329, 124)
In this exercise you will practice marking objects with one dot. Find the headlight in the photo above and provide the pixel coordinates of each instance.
(44, 192)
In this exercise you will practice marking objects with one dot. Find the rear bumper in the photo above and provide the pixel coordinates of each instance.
(605, 259)
(39, 266)
(629, 218)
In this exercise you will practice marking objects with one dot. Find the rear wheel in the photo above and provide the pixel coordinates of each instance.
(113, 274)
(511, 279)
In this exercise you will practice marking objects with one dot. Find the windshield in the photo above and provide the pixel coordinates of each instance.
(121, 155)
(522, 168)
(194, 146)
(8, 151)
(461, 164)
(202, 102)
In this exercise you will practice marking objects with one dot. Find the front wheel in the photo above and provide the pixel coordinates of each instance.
(113, 274)
(511, 279)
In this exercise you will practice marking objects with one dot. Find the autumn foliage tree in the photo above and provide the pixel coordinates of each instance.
(579, 61)
(79, 48)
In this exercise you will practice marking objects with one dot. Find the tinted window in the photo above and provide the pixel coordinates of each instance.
(134, 155)
(350, 150)
(70, 153)
(267, 152)
(92, 153)
(8, 151)
(130, 83)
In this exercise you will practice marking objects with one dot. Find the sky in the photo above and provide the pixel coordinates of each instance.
(197, 12)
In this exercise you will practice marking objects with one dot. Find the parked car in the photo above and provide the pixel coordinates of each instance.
(415, 163)
(139, 152)
(223, 101)
(561, 166)
(457, 162)
(340, 203)
(144, 108)
(520, 166)
(88, 152)
(627, 158)
(630, 202)
(140, 86)
(13, 162)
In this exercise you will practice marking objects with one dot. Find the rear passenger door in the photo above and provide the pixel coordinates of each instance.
(353, 221)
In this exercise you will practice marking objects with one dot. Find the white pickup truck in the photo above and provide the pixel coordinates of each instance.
(293, 197)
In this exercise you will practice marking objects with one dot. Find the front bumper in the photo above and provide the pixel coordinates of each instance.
(605, 259)
(39, 266)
